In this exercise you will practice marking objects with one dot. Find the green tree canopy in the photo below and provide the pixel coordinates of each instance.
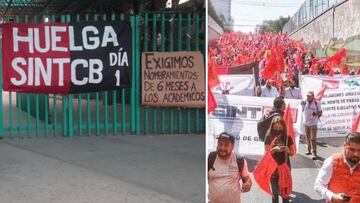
(272, 25)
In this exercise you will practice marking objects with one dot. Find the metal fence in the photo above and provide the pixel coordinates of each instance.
(309, 10)
(109, 112)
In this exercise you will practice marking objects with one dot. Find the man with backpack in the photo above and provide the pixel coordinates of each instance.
(264, 123)
(312, 112)
(225, 170)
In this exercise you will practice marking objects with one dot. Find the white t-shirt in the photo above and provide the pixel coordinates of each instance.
(292, 93)
(224, 181)
(309, 108)
(272, 92)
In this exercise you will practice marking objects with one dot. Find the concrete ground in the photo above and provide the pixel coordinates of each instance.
(103, 169)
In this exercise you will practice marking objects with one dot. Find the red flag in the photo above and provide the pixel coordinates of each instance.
(213, 78)
(285, 180)
(270, 66)
(289, 124)
(335, 60)
(298, 61)
(344, 70)
(265, 169)
(356, 125)
(211, 101)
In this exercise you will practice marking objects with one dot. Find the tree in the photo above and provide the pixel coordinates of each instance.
(272, 25)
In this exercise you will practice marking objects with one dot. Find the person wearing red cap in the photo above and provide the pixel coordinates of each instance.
(339, 177)
(225, 171)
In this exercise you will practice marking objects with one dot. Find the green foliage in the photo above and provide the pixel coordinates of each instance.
(272, 25)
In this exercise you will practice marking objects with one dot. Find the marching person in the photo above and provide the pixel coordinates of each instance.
(225, 170)
(292, 92)
(282, 149)
(339, 177)
(312, 112)
(269, 90)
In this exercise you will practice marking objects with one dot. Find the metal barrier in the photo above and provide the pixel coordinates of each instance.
(110, 112)
(309, 10)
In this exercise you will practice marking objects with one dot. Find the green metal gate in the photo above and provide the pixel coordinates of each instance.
(110, 112)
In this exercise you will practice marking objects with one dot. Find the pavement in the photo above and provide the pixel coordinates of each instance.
(162, 168)
(304, 173)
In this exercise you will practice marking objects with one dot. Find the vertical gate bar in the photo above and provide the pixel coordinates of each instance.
(162, 49)
(1, 106)
(97, 114)
(79, 99)
(146, 22)
(138, 69)
(154, 31)
(188, 48)
(114, 112)
(114, 94)
(70, 100)
(106, 112)
(123, 107)
(105, 101)
(37, 114)
(1, 99)
(97, 125)
(46, 114)
(205, 61)
(55, 114)
(28, 113)
(10, 112)
(179, 49)
(133, 79)
(123, 112)
(80, 113)
(171, 37)
(64, 124)
(18, 99)
(197, 48)
(88, 113)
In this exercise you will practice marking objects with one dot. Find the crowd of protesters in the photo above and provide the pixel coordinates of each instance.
(276, 54)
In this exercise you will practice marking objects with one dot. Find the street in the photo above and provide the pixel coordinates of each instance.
(304, 172)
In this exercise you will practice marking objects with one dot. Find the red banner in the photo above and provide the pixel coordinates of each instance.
(66, 58)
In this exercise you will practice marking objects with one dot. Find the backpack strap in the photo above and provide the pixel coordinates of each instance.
(240, 162)
(211, 160)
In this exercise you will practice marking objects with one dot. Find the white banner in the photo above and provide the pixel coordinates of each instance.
(239, 115)
(340, 102)
(236, 85)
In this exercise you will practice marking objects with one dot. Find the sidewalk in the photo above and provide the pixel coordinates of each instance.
(103, 169)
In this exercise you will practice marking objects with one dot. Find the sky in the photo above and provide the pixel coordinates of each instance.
(248, 13)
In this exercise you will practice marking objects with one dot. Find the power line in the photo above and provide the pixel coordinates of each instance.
(265, 4)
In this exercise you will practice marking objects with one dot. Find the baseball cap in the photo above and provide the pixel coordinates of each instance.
(310, 93)
(225, 135)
